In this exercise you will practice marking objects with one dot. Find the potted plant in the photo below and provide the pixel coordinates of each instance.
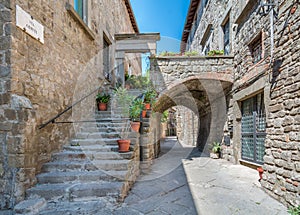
(260, 173)
(123, 100)
(102, 99)
(124, 142)
(135, 110)
(216, 150)
(149, 98)
(129, 81)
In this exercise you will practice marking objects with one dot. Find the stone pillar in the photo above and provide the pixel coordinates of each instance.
(149, 140)
(120, 57)
(204, 130)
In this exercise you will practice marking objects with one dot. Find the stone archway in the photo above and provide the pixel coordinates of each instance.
(202, 87)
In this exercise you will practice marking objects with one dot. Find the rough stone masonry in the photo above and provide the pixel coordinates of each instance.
(40, 80)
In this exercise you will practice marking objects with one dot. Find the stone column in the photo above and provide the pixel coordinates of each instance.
(204, 130)
(120, 57)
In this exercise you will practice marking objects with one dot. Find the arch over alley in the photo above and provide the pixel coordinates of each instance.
(202, 85)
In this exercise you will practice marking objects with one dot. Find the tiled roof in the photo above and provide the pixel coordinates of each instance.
(131, 15)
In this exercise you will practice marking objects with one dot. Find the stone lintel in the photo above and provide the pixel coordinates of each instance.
(142, 36)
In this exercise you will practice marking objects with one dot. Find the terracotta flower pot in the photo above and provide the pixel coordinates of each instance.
(123, 145)
(102, 106)
(135, 126)
(147, 106)
(260, 172)
(144, 112)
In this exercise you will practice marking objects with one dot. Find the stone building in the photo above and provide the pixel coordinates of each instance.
(262, 126)
(52, 53)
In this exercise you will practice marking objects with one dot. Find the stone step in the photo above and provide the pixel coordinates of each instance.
(109, 113)
(91, 148)
(77, 207)
(87, 155)
(97, 135)
(108, 124)
(30, 206)
(107, 128)
(73, 191)
(104, 134)
(111, 119)
(80, 176)
(99, 141)
(106, 165)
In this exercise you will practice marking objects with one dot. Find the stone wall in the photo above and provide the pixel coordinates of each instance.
(282, 160)
(40, 80)
(276, 74)
(210, 21)
(6, 125)
(187, 126)
(150, 140)
(169, 71)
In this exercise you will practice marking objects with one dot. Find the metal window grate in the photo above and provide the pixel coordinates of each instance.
(253, 129)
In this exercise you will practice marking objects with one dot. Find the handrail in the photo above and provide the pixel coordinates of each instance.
(67, 109)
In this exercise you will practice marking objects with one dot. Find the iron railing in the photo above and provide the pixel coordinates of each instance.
(66, 110)
(52, 120)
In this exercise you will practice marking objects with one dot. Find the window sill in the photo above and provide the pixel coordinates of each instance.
(74, 14)
(250, 164)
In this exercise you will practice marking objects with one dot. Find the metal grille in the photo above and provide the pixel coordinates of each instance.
(253, 129)
(226, 38)
(106, 59)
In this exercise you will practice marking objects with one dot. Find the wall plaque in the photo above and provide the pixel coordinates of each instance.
(29, 25)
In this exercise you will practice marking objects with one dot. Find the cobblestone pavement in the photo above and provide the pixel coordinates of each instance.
(200, 186)
(219, 187)
(165, 189)
(181, 181)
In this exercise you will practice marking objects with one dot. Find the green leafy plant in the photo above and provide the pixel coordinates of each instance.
(123, 99)
(294, 210)
(150, 95)
(127, 76)
(216, 147)
(164, 117)
(215, 52)
(102, 98)
(191, 53)
(135, 109)
(187, 53)
(139, 82)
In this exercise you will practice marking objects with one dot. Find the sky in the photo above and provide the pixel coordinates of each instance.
(166, 17)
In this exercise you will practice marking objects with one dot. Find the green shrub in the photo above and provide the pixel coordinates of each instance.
(294, 210)
(216, 147)
(215, 52)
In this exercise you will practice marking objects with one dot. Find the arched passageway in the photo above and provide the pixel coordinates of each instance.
(201, 84)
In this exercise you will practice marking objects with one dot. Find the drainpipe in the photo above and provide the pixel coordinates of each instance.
(272, 34)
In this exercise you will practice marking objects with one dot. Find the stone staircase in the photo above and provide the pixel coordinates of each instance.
(90, 168)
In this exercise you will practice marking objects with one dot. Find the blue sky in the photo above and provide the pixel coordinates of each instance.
(164, 16)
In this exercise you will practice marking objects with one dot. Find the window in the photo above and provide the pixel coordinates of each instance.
(253, 129)
(226, 31)
(106, 59)
(256, 50)
(206, 49)
(205, 3)
(81, 7)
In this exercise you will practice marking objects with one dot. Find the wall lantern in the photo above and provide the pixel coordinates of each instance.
(266, 6)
